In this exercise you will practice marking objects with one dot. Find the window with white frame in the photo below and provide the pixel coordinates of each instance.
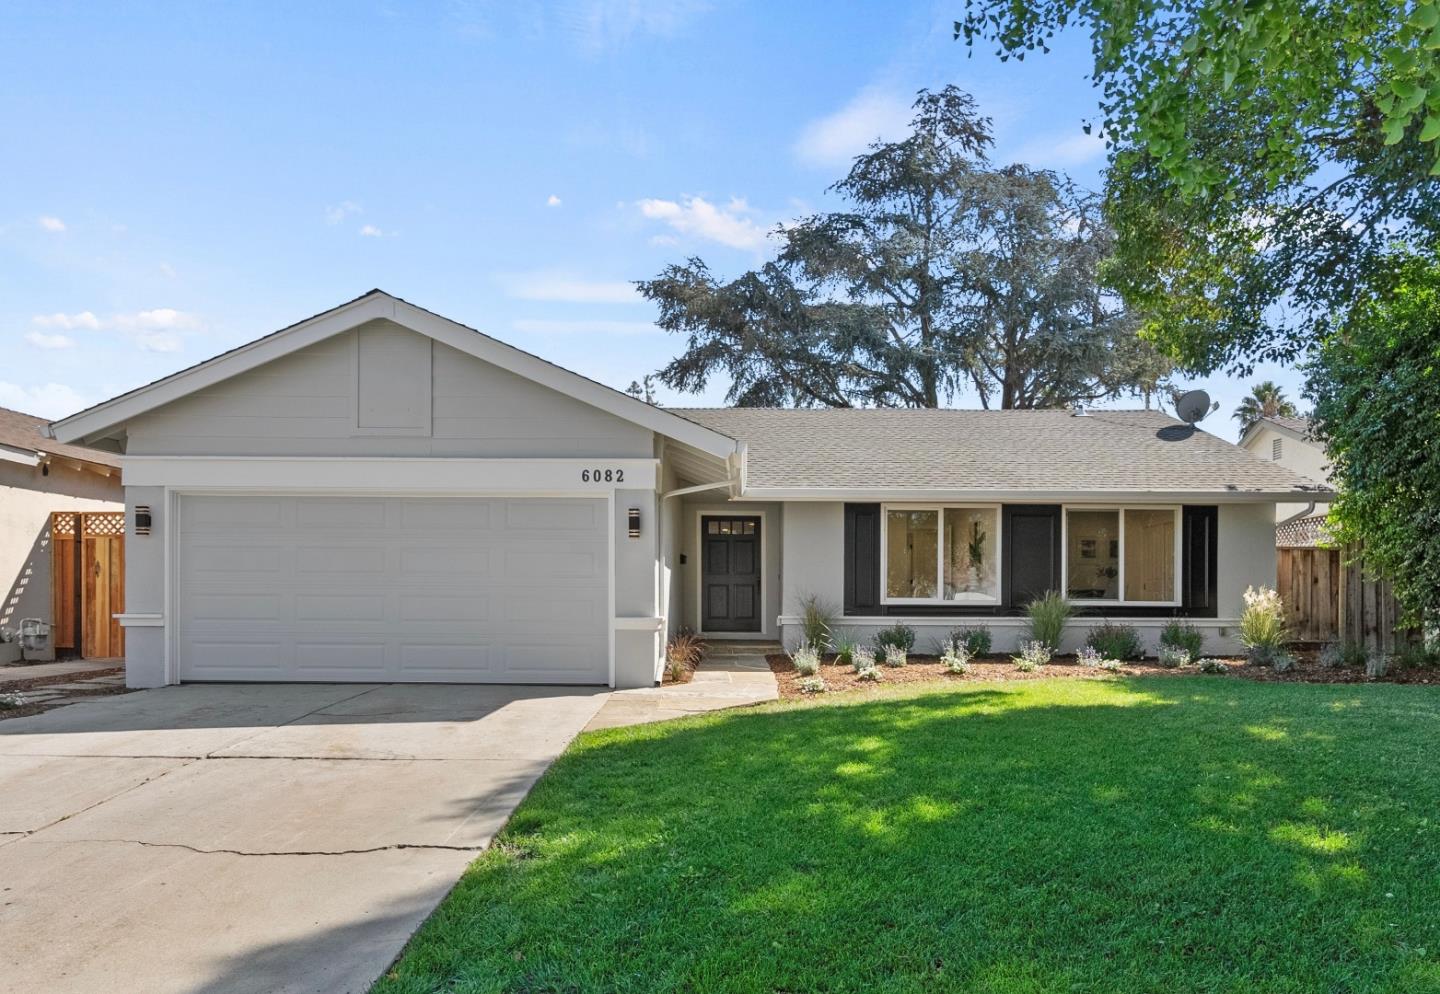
(1122, 555)
(942, 554)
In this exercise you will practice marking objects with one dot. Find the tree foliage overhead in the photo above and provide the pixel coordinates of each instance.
(941, 274)
(1376, 387)
(1266, 400)
(1264, 153)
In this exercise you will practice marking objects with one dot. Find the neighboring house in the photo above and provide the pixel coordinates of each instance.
(378, 493)
(1287, 441)
(39, 476)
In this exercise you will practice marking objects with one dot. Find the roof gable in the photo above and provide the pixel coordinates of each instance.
(102, 419)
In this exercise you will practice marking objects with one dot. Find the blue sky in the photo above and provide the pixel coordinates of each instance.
(178, 179)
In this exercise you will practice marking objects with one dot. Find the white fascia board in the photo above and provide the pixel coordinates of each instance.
(22, 456)
(374, 306)
(901, 494)
(390, 475)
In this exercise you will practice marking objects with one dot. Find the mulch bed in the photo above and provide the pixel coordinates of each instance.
(927, 669)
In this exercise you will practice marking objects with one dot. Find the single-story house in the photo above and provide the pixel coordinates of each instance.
(379, 493)
(1289, 442)
(39, 476)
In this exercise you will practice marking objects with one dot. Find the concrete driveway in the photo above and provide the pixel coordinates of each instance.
(277, 838)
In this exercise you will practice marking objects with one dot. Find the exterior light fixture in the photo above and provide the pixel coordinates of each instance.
(634, 522)
(142, 519)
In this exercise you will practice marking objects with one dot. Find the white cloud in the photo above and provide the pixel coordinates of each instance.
(161, 318)
(159, 341)
(49, 340)
(50, 223)
(834, 140)
(731, 225)
(167, 270)
(545, 327)
(342, 210)
(552, 201)
(560, 287)
(370, 231)
(45, 400)
(84, 319)
(1061, 151)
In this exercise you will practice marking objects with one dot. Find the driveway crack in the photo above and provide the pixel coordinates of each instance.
(394, 846)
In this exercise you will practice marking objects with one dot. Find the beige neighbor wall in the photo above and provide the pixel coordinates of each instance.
(27, 496)
(306, 404)
(1306, 458)
(813, 563)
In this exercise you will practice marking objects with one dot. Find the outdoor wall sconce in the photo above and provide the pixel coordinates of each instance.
(142, 519)
(634, 522)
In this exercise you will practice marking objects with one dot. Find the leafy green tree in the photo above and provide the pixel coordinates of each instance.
(1262, 154)
(941, 273)
(1266, 400)
(1376, 387)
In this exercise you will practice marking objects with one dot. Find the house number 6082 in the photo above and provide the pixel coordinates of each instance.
(602, 476)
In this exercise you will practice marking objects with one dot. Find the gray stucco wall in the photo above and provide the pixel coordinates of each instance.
(813, 564)
(27, 498)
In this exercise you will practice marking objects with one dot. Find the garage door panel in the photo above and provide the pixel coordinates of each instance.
(304, 588)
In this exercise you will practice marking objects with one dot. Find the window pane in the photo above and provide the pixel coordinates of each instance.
(1092, 555)
(1149, 555)
(911, 548)
(970, 560)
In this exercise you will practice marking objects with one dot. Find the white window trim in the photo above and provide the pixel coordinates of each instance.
(1120, 601)
(939, 597)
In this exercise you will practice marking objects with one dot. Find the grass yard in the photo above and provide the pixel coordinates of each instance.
(1174, 834)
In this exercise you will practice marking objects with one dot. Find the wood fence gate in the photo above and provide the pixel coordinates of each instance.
(88, 582)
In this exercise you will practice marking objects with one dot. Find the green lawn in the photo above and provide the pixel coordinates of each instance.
(1161, 835)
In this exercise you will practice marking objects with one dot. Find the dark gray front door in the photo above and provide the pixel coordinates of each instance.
(730, 574)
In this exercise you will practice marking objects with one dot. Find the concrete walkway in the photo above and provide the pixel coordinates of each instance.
(732, 674)
(229, 839)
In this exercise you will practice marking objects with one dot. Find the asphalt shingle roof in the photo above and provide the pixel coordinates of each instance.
(990, 451)
(1299, 425)
(23, 431)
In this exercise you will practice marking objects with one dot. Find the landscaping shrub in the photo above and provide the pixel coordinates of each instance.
(1262, 624)
(1048, 616)
(806, 659)
(1032, 656)
(683, 653)
(1281, 661)
(1377, 664)
(1416, 655)
(1337, 654)
(1089, 656)
(813, 685)
(956, 659)
(816, 618)
(1111, 665)
(845, 646)
(1209, 665)
(895, 656)
(1115, 641)
(975, 641)
(1183, 635)
(871, 673)
(862, 659)
(900, 636)
(1173, 657)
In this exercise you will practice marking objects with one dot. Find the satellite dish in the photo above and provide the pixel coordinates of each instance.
(1193, 406)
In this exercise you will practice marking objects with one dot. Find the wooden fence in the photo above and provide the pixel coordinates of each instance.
(1328, 597)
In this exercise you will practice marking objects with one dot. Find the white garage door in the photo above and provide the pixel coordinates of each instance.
(453, 590)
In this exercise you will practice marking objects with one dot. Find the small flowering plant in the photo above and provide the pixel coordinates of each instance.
(956, 659)
(863, 659)
(806, 660)
(1032, 656)
(895, 655)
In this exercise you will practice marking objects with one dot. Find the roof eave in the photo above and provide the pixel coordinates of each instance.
(901, 494)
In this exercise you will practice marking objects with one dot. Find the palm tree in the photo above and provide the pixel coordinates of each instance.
(1266, 400)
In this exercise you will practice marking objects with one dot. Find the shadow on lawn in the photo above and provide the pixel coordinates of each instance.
(1125, 835)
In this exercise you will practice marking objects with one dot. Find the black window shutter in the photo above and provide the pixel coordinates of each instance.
(1032, 552)
(1200, 548)
(862, 558)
